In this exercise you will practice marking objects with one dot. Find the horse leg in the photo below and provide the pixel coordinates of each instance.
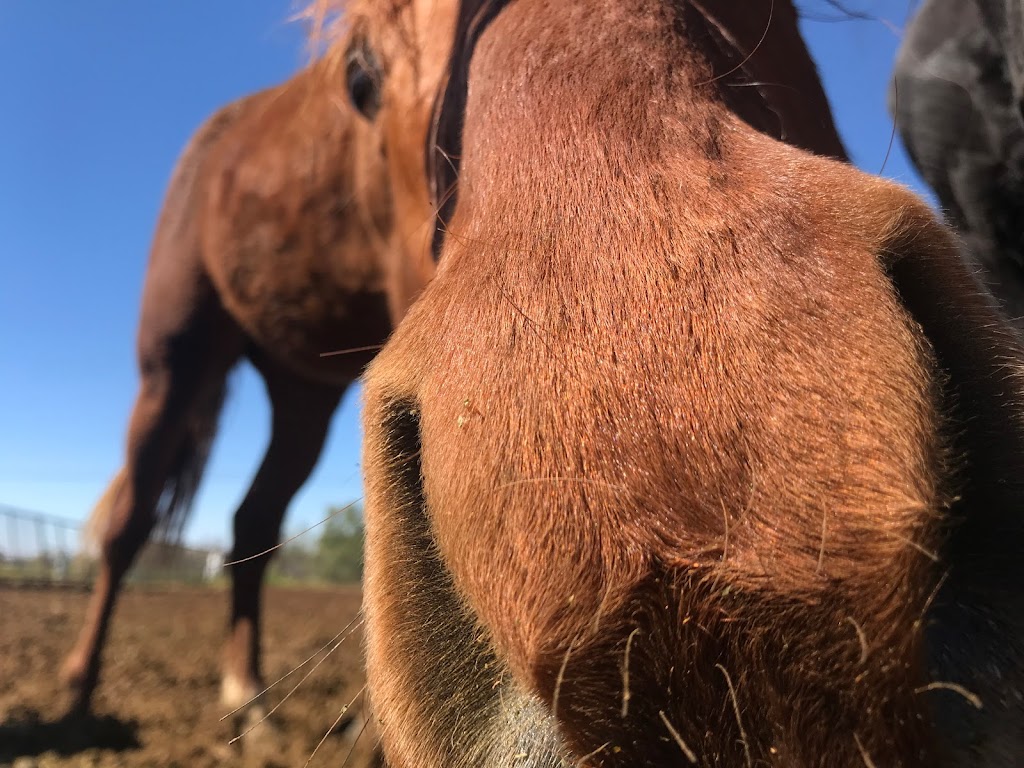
(301, 416)
(182, 383)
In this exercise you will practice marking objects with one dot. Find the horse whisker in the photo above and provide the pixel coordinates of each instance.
(690, 754)
(892, 133)
(736, 710)
(973, 699)
(931, 599)
(558, 682)
(355, 741)
(764, 35)
(926, 552)
(335, 513)
(860, 636)
(353, 350)
(333, 726)
(868, 762)
(297, 685)
(592, 753)
(625, 673)
(296, 668)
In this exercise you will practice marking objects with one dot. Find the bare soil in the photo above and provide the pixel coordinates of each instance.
(158, 701)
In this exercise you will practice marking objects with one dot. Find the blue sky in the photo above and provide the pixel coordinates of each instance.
(97, 99)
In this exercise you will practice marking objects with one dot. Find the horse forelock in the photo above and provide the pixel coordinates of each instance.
(326, 21)
(330, 21)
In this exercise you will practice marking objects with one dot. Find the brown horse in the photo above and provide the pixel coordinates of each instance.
(270, 247)
(701, 447)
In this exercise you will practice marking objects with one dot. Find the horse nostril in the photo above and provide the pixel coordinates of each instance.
(402, 449)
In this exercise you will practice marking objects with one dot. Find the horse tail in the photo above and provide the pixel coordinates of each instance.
(183, 478)
(175, 504)
(96, 525)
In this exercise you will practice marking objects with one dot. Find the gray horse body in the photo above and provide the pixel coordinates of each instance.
(957, 97)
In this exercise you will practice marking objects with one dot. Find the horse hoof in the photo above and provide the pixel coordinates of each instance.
(74, 676)
(255, 733)
(251, 723)
(237, 694)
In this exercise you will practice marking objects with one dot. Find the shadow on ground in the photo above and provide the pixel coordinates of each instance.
(27, 734)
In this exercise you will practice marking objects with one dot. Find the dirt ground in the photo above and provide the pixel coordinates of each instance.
(158, 704)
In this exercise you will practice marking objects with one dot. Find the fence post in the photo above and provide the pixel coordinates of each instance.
(12, 525)
(42, 556)
(62, 540)
(49, 563)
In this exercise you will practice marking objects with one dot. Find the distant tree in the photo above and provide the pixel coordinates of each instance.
(339, 553)
(294, 562)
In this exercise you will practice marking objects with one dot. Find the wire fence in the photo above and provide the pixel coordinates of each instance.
(37, 549)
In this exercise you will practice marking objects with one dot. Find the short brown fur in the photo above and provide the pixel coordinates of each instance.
(700, 447)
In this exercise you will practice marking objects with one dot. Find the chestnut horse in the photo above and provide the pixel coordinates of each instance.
(701, 447)
(957, 98)
(270, 247)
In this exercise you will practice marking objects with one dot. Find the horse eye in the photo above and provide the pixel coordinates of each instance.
(362, 78)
